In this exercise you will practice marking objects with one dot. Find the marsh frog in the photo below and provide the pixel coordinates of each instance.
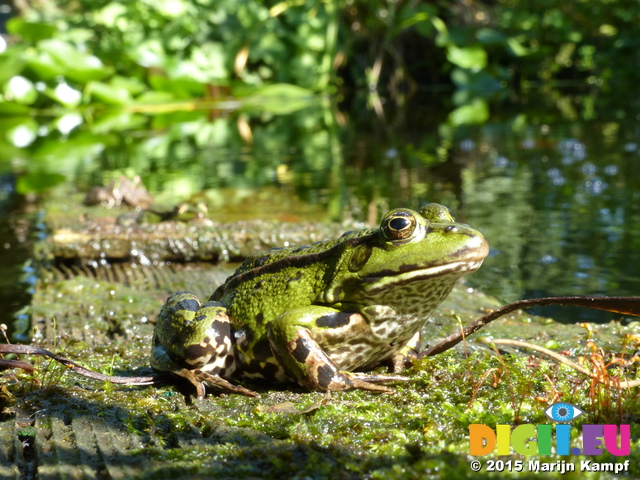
(321, 314)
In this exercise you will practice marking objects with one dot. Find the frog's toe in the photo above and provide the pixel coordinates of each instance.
(197, 378)
(372, 378)
(193, 379)
(221, 383)
(359, 381)
(404, 359)
(371, 382)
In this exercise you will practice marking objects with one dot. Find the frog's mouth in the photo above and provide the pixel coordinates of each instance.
(380, 281)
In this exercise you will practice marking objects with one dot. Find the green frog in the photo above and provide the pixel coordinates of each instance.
(323, 314)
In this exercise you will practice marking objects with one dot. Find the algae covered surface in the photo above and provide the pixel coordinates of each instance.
(56, 424)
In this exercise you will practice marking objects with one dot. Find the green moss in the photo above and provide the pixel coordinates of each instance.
(419, 432)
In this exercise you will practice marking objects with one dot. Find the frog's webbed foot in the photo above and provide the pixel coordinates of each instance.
(198, 377)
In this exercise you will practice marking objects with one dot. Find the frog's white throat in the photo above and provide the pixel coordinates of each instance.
(427, 277)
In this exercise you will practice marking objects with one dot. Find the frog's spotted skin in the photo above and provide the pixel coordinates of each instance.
(316, 313)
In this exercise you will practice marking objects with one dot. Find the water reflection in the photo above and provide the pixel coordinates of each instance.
(557, 197)
(565, 219)
(15, 280)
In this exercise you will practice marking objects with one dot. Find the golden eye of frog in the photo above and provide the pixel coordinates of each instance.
(315, 314)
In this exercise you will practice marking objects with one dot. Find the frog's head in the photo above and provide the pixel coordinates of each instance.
(412, 254)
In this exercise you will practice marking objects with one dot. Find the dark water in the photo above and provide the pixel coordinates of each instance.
(552, 180)
(15, 240)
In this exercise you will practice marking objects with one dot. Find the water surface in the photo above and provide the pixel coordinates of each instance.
(552, 180)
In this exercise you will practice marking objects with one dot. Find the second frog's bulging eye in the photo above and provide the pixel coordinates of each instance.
(398, 225)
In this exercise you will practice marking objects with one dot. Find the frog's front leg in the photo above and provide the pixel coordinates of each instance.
(407, 354)
(292, 342)
(193, 341)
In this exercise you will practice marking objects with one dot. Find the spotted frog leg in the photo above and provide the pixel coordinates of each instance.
(304, 360)
(193, 341)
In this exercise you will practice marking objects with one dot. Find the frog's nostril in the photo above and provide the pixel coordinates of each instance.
(451, 228)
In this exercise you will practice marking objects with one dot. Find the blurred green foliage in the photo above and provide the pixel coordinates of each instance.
(116, 52)
(161, 51)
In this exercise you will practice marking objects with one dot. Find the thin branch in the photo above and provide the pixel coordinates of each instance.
(624, 305)
(29, 350)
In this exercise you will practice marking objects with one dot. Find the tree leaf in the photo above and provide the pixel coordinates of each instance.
(30, 31)
(38, 182)
(75, 65)
(21, 90)
(12, 108)
(473, 57)
(43, 65)
(109, 94)
(12, 63)
(279, 98)
(24, 133)
(476, 112)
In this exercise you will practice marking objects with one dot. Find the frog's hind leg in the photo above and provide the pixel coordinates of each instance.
(193, 341)
(304, 359)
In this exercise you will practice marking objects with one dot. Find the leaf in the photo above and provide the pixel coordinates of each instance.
(110, 14)
(131, 84)
(43, 65)
(118, 121)
(517, 48)
(12, 63)
(481, 82)
(21, 90)
(473, 57)
(475, 112)
(155, 98)
(109, 94)
(149, 54)
(67, 122)
(30, 31)
(23, 133)
(75, 65)
(208, 63)
(280, 98)
(38, 182)
(64, 94)
(80, 146)
(443, 33)
(12, 108)
(490, 36)
(182, 88)
(8, 154)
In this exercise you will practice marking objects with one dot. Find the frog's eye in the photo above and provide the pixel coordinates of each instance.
(398, 225)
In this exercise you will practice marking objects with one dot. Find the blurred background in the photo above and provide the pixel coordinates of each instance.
(522, 117)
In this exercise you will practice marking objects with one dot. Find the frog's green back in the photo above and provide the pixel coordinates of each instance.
(271, 282)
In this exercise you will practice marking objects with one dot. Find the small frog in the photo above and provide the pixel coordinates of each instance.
(321, 314)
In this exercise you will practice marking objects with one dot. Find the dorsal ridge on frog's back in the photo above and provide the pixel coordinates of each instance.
(276, 259)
